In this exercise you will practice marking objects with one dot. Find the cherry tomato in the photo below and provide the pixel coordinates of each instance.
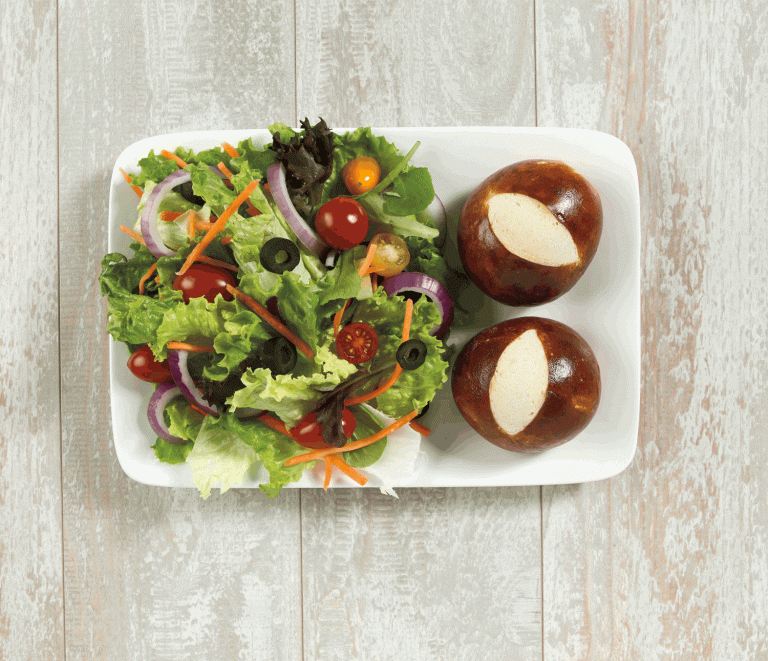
(392, 255)
(309, 433)
(205, 280)
(361, 174)
(342, 223)
(145, 367)
(357, 343)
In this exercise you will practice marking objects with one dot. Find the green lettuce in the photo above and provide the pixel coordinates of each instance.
(223, 450)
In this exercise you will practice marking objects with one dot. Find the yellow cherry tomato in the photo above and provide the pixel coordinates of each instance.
(391, 256)
(361, 174)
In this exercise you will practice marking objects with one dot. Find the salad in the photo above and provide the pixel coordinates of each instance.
(288, 301)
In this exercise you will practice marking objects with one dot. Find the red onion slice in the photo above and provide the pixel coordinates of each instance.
(427, 285)
(177, 363)
(305, 234)
(163, 394)
(436, 211)
(331, 258)
(149, 228)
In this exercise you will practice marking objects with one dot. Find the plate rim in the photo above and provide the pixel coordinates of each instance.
(141, 147)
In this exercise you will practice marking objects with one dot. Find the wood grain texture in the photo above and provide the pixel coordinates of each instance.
(155, 573)
(435, 574)
(439, 573)
(368, 63)
(668, 559)
(31, 604)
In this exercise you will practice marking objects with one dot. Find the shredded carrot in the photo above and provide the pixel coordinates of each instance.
(217, 227)
(183, 346)
(374, 281)
(169, 216)
(135, 188)
(226, 240)
(146, 277)
(368, 259)
(424, 431)
(229, 149)
(273, 321)
(134, 235)
(328, 469)
(407, 319)
(252, 210)
(355, 445)
(267, 188)
(191, 224)
(225, 171)
(157, 279)
(194, 407)
(203, 225)
(227, 174)
(217, 262)
(337, 317)
(173, 157)
(382, 388)
(345, 468)
(277, 425)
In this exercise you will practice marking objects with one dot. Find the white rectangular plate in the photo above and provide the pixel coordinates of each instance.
(603, 307)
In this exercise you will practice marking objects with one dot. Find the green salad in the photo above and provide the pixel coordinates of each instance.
(287, 300)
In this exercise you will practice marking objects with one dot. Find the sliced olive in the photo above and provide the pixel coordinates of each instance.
(185, 190)
(279, 255)
(279, 355)
(411, 354)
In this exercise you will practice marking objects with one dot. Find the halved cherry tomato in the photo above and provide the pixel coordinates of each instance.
(357, 342)
(361, 174)
(144, 366)
(342, 223)
(205, 280)
(309, 432)
(391, 256)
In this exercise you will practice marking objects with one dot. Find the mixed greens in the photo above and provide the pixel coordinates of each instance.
(267, 299)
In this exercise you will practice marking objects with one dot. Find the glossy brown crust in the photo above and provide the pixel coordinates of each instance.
(573, 393)
(511, 279)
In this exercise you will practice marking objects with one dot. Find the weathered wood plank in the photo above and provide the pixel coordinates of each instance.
(153, 573)
(366, 63)
(439, 573)
(31, 594)
(668, 560)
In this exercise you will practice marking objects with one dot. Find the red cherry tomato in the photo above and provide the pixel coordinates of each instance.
(205, 280)
(145, 367)
(342, 223)
(309, 433)
(357, 343)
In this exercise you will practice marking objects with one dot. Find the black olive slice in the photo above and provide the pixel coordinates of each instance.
(185, 190)
(279, 355)
(279, 255)
(411, 354)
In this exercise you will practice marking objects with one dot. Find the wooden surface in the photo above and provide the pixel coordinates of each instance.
(668, 560)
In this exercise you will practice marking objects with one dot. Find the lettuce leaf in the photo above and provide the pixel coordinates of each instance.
(219, 456)
(228, 450)
(131, 317)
